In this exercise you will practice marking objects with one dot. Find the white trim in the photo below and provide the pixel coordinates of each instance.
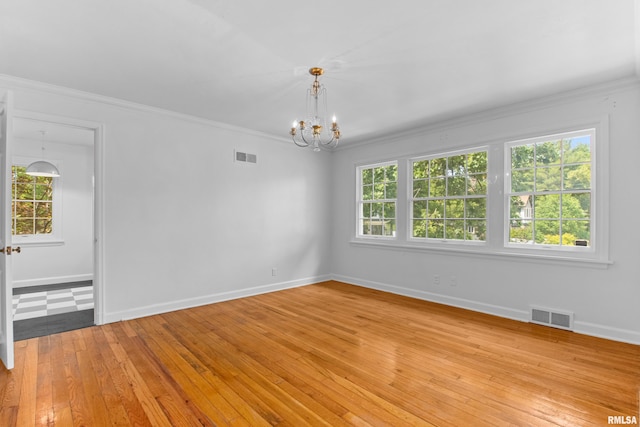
(32, 85)
(52, 280)
(482, 114)
(591, 329)
(98, 130)
(481, 250)
(149, 310)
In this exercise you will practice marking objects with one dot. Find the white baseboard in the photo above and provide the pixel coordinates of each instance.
(51, 280)
(600, 331)
(209, 299)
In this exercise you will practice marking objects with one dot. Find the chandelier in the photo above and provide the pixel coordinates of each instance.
(311, 132)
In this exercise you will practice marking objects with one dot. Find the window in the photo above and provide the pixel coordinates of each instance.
(377, 197)
(449, 197)
(32, 203)
(549, 190)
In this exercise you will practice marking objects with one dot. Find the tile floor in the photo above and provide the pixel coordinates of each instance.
(46, 303)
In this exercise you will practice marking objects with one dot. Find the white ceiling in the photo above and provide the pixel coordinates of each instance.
(387, 64)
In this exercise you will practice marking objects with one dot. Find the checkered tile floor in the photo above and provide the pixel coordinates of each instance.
(46, 303)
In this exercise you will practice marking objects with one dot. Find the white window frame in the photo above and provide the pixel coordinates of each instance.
(561, 250)
(360, 200)
(411, 199)
(497, 236)
(56, 236)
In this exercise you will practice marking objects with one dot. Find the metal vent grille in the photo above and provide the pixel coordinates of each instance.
(246, 157)
(549, 317)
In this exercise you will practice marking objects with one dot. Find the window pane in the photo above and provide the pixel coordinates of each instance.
(454, 208)
(522, 157)
(43, 209)
(437, 187)
(366, 210)
(455, 229)
(378, 191)
(367, 176)
(549, 179)
(24, 192)
(378, 174)
(521, 207)
(476, 208)
(366, 226)
(457, 165)
(435, 208)
(572, 206)
(548, 153)
(43, 226)
(24, 209)
(435, 229)
(456, 186)
(390, 210)
(477, 162)
(420, 188)
(437, 167)
(391, 173)
(547, 232)
(521, 232)
(390, 227)
(451, 186)
(577, 150)
(477, 184)
(391, 190)
(577, 177)
(547, 206)
(24, 226)
(476, 230)
(421, 169)
(420, 209)
(378, 185)
(522, 180)
(376, 210)
(420, 228)
(367, 192)
(576, 233)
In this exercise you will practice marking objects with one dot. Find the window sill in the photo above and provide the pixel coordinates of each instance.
(482, 251)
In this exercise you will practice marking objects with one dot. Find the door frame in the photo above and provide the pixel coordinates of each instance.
(98, 196)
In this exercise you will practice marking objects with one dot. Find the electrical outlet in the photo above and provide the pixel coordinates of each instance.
(453, 281)
(436, 279)
(274, 271)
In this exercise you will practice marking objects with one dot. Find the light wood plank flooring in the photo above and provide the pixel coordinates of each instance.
(327, 354)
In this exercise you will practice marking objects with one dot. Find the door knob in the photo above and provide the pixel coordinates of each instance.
(8, 250)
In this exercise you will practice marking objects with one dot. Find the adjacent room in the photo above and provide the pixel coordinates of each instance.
(275, 213)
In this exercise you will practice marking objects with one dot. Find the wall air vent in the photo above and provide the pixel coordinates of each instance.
(245, 157)
(550, 317)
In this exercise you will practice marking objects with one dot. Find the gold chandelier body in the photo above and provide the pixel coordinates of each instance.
(309, 133)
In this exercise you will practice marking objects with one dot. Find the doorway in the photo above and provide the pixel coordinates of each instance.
(54, 276)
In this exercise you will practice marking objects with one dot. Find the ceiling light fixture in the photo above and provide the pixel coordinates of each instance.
(309, 133)
(42, 167)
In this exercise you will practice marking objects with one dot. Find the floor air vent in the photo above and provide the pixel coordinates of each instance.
(549, 317)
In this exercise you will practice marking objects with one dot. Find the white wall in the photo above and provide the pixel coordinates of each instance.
(183, 223)
(604, 300)
(73, 259)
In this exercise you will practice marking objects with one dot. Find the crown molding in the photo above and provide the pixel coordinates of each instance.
(18, 83)
(479, 114)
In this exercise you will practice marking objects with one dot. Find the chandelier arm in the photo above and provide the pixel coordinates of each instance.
(303, 144)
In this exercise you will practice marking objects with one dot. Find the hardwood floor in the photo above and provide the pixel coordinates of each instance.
(327, 354)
